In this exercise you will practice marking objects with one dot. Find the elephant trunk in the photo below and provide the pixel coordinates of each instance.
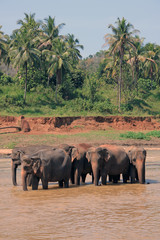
(24, 179)
(77, 177)
(96, 174)
(141, 171)
(14, 168)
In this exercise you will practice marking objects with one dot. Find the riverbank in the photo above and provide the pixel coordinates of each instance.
(73, 130)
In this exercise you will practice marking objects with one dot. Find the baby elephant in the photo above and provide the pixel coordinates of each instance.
(47, 165)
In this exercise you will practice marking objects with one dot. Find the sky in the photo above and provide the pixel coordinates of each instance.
(88, 20)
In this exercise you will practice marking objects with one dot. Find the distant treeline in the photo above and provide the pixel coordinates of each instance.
(40, 61)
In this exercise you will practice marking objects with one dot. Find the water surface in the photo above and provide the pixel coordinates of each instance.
(116, 211)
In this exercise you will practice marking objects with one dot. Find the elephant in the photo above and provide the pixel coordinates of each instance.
(137, 157)
(18, 151)
(108, 160)
(80, 165)
(16, 158)
(49, 165)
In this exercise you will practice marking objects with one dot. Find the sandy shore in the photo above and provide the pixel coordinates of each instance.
(5, 151)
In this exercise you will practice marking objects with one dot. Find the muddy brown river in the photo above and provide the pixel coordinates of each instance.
(116, 211)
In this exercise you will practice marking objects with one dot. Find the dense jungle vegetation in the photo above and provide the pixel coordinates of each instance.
(42, 72)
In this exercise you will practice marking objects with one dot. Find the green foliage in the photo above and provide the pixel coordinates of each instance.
(140, 135)
(58, 82)
(146, 84)
(90, 87)
(153, 134)
(10, 97)
(105, 107)
(135, 135)
(5, 79)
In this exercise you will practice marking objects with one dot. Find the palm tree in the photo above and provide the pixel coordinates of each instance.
(58, 59)
(3, 44)
(49, 33)
(118, 42)
(23, 52)
(136, 56)
(30, 24)
(74, 46)
(151, 56)
(47, 36)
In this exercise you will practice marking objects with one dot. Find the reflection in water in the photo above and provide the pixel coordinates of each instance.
(130, 211)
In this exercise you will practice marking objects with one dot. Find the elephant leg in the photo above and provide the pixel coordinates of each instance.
(125, 177)
(77, 177)
(61, 184)
(83, 177)
(110, 178)
(92, 178)
(104, 177)
(136, 175)
(72, 174)
(29, 180)
(66, 183)
(115, 178)
(35, 182)
(132, 173)
(45, 184)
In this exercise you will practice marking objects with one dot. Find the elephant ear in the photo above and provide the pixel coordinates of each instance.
(130, 155)
(88, 156)
(89, 153)
(20, 153)
(74, 154)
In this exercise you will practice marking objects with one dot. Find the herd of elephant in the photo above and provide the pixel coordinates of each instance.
(66, 163)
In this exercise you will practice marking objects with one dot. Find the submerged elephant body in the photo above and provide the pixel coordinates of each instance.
(108, 160)
(47, 165)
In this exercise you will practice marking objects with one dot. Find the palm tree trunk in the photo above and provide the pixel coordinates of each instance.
(25, 88)
(58, 81)
(120, 83)
(136, 74)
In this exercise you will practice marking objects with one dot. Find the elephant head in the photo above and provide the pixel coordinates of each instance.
(15, 162)
(137, 156)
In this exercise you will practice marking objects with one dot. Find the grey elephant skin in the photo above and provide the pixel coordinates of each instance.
(47, 165)
(137, 156)
(16, 158)
(108, 160)
(19, 151)
(80, 164)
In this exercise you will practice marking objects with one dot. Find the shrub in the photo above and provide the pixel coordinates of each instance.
(134, 135)
(146, 84)
(104, 107)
